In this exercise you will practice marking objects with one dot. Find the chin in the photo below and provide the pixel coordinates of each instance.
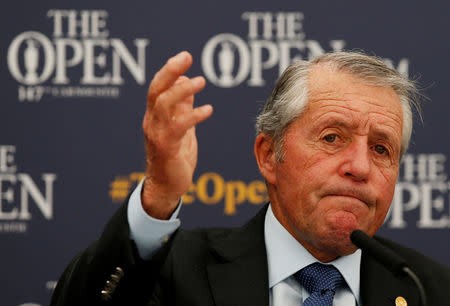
(347, 249)
(338, 242)
(339, 248)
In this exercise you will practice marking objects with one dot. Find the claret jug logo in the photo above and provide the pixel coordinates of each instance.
(79, 60)
(274, 40)
(16, 191)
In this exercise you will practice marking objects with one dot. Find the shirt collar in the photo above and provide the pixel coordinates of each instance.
(285, 256)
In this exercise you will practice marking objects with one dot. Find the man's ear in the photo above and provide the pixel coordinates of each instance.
(265, 157)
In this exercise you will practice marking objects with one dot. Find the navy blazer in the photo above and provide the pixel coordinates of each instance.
(220, 267)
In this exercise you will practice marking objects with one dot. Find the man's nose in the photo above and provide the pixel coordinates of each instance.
(357, 161)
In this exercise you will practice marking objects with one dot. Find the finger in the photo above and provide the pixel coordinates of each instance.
(191, 119)
(168, 74)
(190, 99)
(181, 93)
(181, 79)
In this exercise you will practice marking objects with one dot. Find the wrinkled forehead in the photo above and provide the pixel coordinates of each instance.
(341, 93)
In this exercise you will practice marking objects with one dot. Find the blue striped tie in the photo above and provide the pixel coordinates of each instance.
(321, 281)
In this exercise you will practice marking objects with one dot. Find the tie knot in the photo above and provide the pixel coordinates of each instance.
(318, 277)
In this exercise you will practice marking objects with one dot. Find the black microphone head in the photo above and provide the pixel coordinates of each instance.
(357, 235)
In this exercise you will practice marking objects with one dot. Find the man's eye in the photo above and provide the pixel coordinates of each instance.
(330, 138)
(380, 149)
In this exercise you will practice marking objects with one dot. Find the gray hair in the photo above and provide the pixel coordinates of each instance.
(290, 94)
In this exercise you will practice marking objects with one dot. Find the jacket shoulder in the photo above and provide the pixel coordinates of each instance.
(435, 276)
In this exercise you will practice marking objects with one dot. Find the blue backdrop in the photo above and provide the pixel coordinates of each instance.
(74, 80)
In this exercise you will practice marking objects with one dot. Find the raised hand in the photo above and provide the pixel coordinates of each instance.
(169, 129)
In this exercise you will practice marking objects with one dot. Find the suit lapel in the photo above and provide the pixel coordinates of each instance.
(380, 287)
(239, 276)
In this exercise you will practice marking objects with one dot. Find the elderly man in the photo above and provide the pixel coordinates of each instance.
(329, 143)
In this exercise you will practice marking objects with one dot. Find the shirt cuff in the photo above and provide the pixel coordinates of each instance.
(149, 233)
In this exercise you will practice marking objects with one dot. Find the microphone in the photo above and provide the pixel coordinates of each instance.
(382, 254)
(387, 258)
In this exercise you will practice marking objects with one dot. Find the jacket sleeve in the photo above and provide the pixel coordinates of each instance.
(110, 272)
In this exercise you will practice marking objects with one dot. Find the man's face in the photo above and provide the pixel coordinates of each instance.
(341, 163)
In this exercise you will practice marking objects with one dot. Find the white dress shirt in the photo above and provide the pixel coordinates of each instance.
(148, 233)
(285, 255)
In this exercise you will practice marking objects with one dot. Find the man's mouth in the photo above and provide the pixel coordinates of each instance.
(352, 193)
